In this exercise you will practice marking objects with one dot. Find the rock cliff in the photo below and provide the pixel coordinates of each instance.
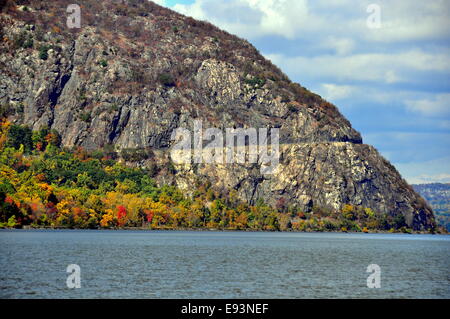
(135, 71)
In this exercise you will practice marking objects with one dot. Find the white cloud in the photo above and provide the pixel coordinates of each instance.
(160, 2)
(379, 67)
(255, 18)
(432, 171)
(342, 46)
(426, 179)
(408, 21)
(334, 92)
(194, 10)
(402, 20)
(439, 105)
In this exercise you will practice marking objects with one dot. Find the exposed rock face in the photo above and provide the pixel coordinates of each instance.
(133, 73)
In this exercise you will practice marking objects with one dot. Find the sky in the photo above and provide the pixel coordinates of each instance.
(384, 64)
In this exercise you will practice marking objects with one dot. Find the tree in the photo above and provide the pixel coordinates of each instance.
(399, 221)
(84, 180)
(107, 219)
(121, 215)
(20, 135)
(349, 212)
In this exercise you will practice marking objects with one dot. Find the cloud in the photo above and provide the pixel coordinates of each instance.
(402, 20)
(432, 171)
(439, 105)
(334, 92)
(160, 2)
(256, 18)
(426, 179)
(378, 67)
(406, 147)
(342, 46)
(411, 21)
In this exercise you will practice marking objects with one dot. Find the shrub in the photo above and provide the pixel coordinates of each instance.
(82, 97)
(167, 80)
(135, 155)
(97, 154)
(103, 63)
(114, 107)
(86, 116)
(23, 41)
(292, 108)
(136, 75)
(255, 82)
(44, 137)
(330, 225)
(28, 43)
(43, 52)
(405, 230)
(399, 221)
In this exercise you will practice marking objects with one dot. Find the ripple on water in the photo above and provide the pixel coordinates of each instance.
(139, 264)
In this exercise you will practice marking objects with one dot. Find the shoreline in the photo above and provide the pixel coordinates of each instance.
(224, 230)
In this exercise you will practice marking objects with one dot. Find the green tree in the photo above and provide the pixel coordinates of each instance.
(20, 135)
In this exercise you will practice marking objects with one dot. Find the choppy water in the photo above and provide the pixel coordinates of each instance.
(184, 264)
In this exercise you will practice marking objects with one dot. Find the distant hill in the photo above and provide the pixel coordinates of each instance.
(438, 196)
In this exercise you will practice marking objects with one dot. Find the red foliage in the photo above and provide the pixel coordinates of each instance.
(51, 210)
(77, 211)
(121, 215)
(149, 214)
(39, 146)
(9, 200)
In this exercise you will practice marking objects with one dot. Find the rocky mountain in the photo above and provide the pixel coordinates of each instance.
(136, 71)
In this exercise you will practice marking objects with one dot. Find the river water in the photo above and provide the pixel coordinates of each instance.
(209, 264)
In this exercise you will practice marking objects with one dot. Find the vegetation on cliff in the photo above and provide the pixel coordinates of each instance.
(42, 184)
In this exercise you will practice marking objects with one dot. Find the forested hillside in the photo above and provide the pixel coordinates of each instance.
(44, 185)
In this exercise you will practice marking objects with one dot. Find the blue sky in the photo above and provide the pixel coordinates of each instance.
(391, 82)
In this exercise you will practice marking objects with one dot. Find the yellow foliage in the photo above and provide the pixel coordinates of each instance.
(347, 209)
(109, 169)
(369, 212)
(9, 174)
(107, 219)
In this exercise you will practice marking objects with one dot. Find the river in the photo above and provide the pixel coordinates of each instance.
(213, 264)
